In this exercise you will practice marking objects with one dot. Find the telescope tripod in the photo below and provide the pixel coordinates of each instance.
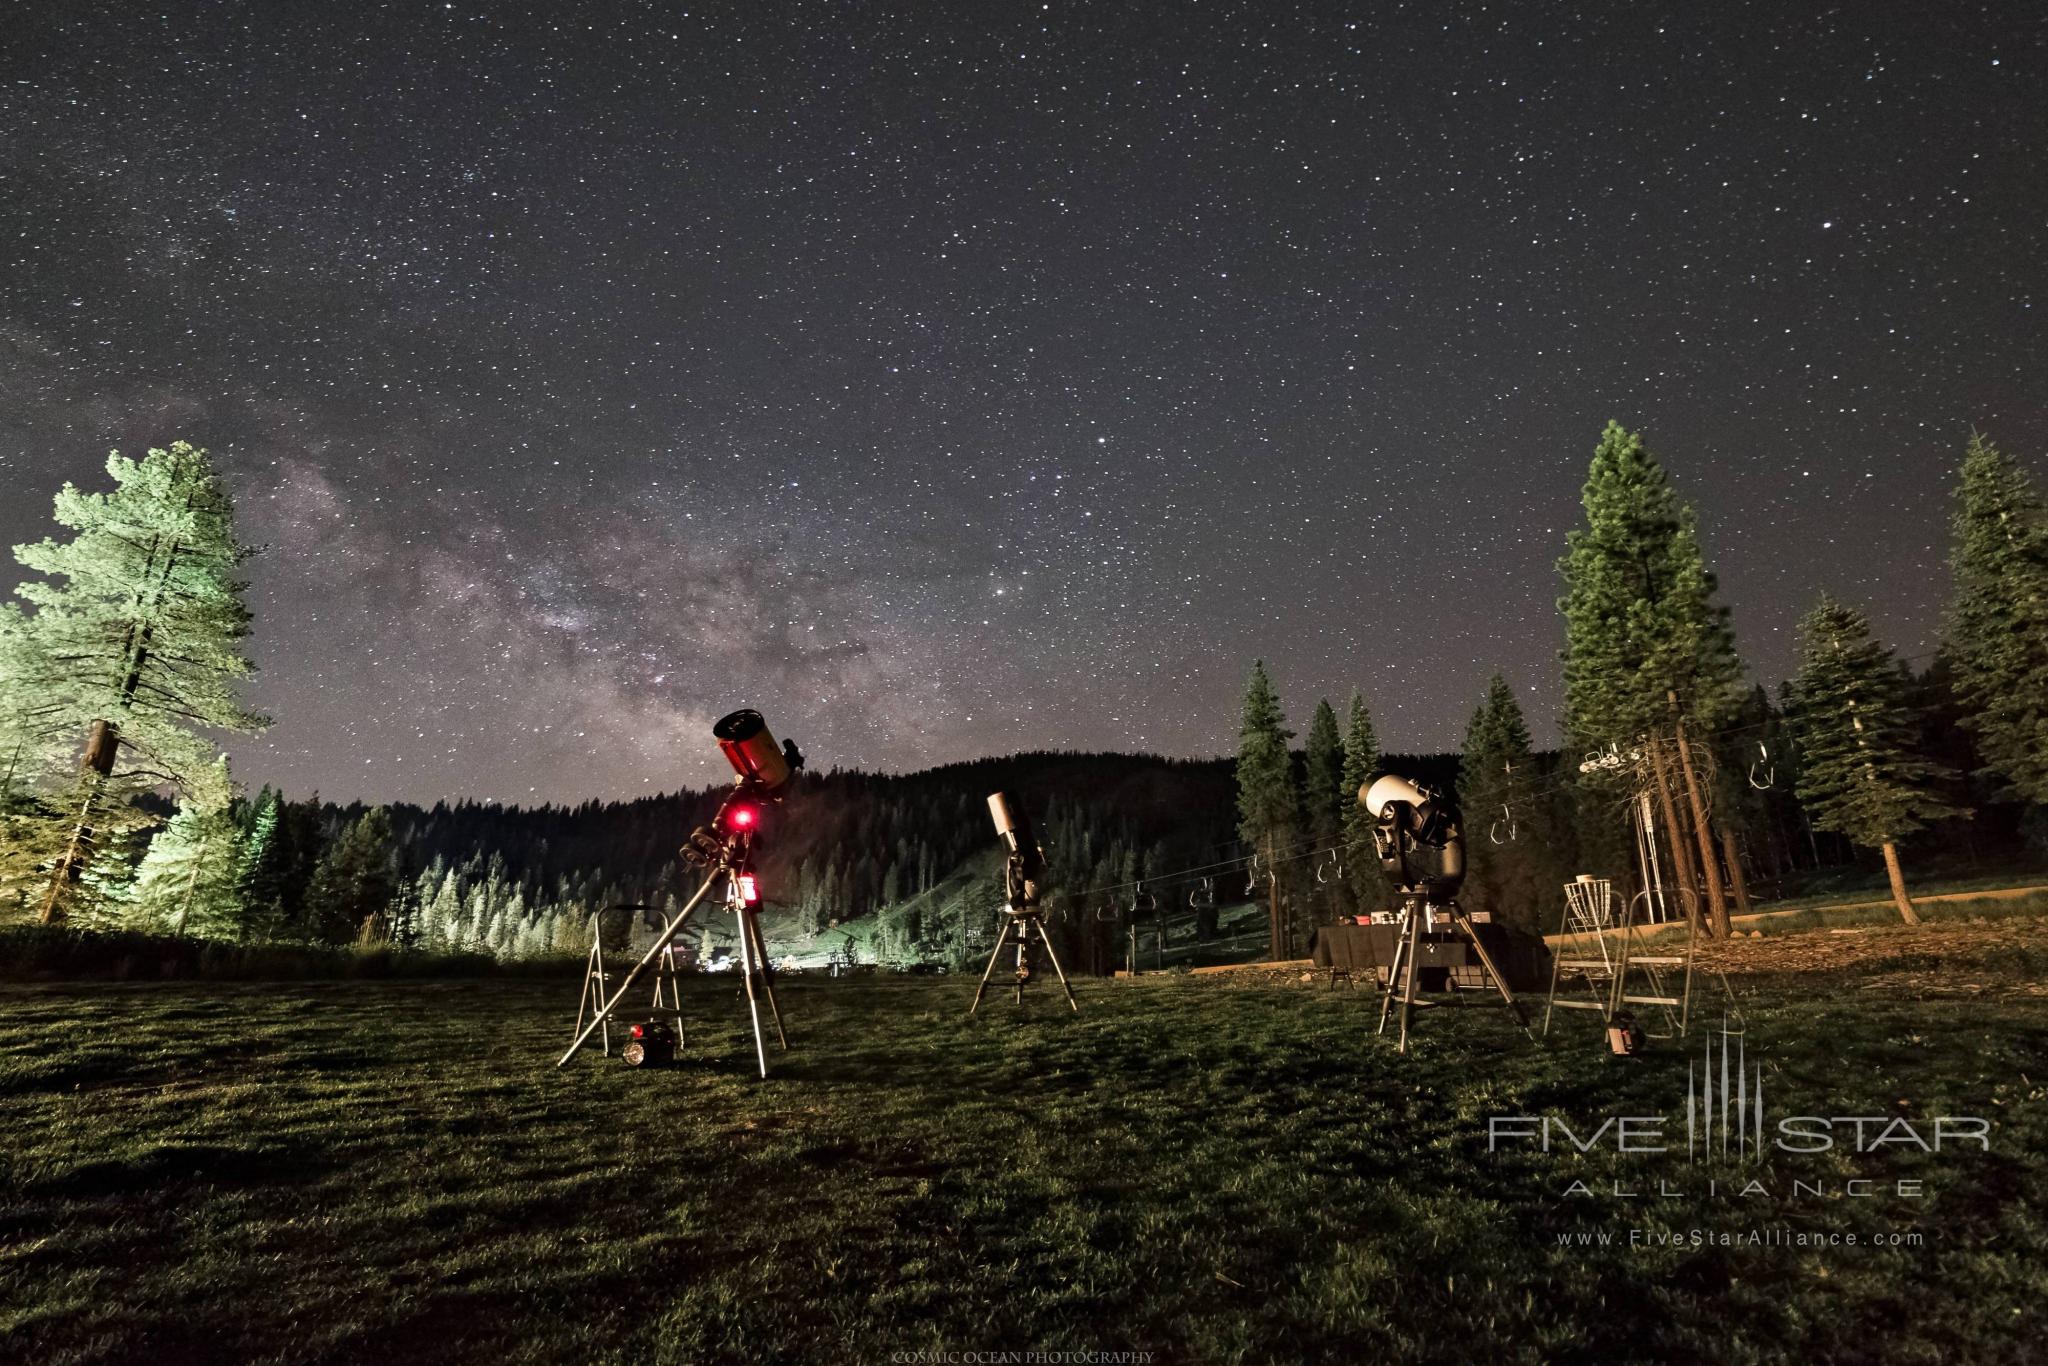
(1415, 912)
(1019, 924)
(753, 960)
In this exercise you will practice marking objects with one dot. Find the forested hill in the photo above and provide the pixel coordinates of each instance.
(845, 842)
(887, 835)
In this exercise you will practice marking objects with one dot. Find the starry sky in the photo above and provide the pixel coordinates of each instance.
(953, 379)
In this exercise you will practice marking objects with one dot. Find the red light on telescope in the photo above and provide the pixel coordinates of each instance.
(750, 891)
(742, 817)
(639, 1031)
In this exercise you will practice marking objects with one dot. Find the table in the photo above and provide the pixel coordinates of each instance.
(1444, 954)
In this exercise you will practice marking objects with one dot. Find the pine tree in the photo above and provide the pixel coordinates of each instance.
(352, 887)
(186, 883)
(1361, 765)
(26, 733)
(1504, 859)
(1860, 775)
(1323, 774)
(1267, 818)
(265, 861)
(138, 629)
(1322, 803)
(1998, 621)
(1648, 654)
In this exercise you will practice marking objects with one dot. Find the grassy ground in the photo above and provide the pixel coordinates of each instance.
(1203, 1170)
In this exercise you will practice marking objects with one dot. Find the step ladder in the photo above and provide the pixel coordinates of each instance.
(1583, 959)
(1634, 968)
(1653, 964)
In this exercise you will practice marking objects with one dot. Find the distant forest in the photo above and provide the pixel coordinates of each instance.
(122, 663)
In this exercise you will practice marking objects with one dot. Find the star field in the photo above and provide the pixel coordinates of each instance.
(948, 380)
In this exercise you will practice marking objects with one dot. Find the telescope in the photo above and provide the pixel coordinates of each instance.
(724, 851)
(1022, 919)
(744, 740)
(1013, 828)
(1419, 836)
(1421, 846)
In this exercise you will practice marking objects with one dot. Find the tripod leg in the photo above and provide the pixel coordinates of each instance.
(753, 1002)
(1023, 962)
(1394, 972)
(1002, 936)
(1500, 983)
(767, 976)
(1058, 970)
(1416, 920)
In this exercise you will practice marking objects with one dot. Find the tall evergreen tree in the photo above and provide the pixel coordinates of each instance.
(352, 887)
(265, 862)
(1361, 765)
(1323, 774)
(138, 627)
(1648, 654)
(1322, 802)
(1266, 809)
(1860, 774)
(1505, 862)
(187, 883)
(26, 732)
(1998, 621)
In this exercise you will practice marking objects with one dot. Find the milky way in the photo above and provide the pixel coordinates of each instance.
(954, 379)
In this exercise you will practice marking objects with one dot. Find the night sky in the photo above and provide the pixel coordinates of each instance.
(955, 379)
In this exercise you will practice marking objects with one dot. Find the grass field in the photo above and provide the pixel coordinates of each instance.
(1199, 1169)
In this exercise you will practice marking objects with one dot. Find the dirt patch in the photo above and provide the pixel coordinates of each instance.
(1950, 958)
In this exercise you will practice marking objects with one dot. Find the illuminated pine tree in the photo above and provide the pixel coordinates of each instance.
(187, 883)
(24, 743)
(265, 867)
(1998, 621)
(1859, 773)
(138, 625)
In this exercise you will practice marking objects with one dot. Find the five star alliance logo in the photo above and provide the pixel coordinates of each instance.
(1744, 1099)
(1725, 1120)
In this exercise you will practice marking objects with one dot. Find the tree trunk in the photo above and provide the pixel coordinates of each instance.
(1276, 932)
(1891, 868)
(100, 749)
(1717, 906)
(1674, 838)
(1736, 879)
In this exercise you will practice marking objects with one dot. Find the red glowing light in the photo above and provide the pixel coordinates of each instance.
(750, 892)
(638, 1030)
(743, 816)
